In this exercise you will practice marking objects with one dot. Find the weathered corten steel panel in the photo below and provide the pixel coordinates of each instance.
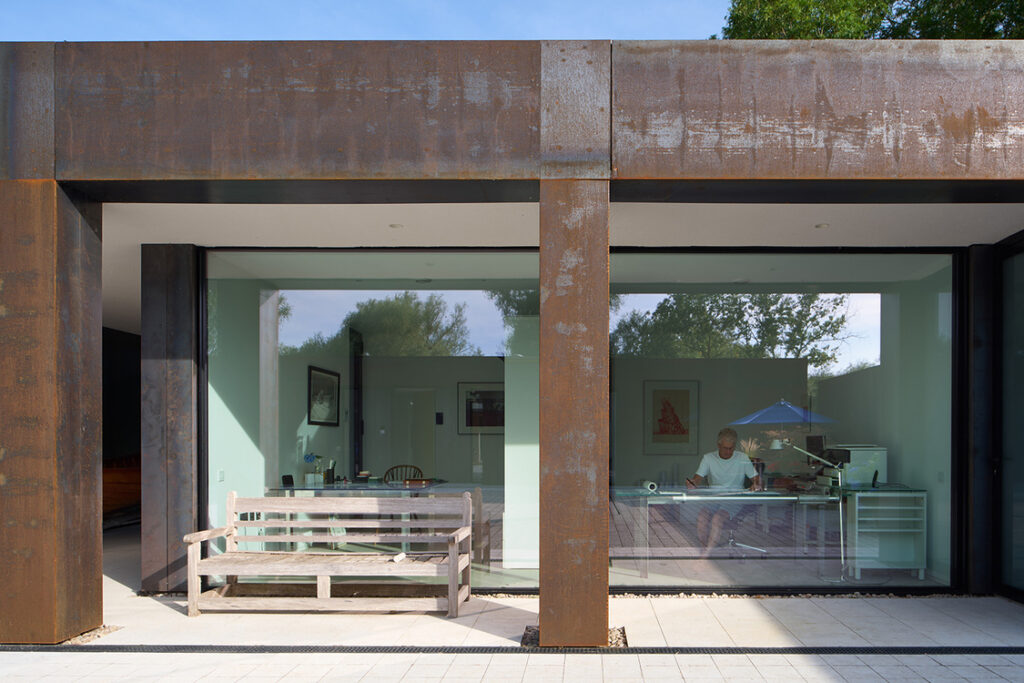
(297, 110)
(818, 109)
(26, 110)
(574, 412)
(575, 100)
(169, 420)
(79, 386)
(49, 416)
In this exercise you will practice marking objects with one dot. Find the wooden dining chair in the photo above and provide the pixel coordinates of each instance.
(399, 473)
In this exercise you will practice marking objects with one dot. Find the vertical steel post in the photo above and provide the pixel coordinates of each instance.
(50, 414)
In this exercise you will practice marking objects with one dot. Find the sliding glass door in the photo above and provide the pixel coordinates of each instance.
(1012, 471)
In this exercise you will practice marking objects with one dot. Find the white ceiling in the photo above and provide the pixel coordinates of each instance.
(127, 226)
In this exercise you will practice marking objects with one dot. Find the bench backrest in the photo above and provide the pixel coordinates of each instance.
(372, 520)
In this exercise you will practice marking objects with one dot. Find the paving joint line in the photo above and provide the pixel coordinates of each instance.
(486, 649)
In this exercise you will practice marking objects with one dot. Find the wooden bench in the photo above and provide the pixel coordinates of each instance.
(385, 525)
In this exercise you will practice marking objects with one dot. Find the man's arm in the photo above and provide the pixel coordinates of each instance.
(695, 482)
(755, 483)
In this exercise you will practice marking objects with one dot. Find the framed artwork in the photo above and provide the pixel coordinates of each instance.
(481, 408)
(322, 406)
(671, 417)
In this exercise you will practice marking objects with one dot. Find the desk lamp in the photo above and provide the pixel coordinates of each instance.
(833, 457)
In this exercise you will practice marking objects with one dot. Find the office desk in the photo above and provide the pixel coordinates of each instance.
(640, 500)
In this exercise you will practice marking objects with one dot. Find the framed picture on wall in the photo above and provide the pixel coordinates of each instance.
(323, 405)
(671, 417)
(481, 408)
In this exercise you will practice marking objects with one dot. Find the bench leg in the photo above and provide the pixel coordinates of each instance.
(467, 572)
(323, 587)
(193, 580)
(453, 579)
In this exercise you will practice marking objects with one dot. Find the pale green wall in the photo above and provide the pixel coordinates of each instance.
(521, 522)
(293, 428)
(905, 403)
(729, 390)
(234, 410)
(454, 452)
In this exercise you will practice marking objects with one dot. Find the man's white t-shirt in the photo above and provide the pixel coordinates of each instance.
(727, 474)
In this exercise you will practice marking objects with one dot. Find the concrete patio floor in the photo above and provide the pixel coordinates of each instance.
(737, 625)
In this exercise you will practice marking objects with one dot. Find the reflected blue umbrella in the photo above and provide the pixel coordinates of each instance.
(782, 413)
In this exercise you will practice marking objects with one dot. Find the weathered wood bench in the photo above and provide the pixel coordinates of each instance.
(386, 525)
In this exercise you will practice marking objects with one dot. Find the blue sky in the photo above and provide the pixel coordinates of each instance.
(83, 20)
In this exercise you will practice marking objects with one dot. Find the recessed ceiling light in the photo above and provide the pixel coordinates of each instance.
(817, 226)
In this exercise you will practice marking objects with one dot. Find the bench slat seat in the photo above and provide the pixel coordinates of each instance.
(441, 528)
(317, 564)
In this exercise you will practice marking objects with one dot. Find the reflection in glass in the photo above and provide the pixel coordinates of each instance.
(353, 363)
(846, 357)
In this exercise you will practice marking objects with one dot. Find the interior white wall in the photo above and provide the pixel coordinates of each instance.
(729, 390)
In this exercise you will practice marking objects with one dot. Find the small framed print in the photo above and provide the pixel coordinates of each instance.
(671, 417)
(322, 404)
(481, 408)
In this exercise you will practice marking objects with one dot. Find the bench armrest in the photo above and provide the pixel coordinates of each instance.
(460, 534)
(199, 536)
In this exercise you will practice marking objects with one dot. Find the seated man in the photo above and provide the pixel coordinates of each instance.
(726, 469)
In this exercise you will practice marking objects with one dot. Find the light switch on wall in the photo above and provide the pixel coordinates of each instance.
(220, 475)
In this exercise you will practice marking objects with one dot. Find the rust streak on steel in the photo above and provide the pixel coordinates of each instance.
(298, 110)
(26, 110)
(818, 109)
(49, 414)
(574, 412)
(575, 119)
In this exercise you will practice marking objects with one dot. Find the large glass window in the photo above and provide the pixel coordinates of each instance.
(328, 369)
(1013, 428)
(843, 356)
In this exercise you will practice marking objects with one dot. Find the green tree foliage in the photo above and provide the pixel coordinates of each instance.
(804, 19)
(813, 19)
(807, 326)
(954, 19)
(406, 325)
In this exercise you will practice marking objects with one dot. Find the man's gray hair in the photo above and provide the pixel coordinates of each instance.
(728, 435)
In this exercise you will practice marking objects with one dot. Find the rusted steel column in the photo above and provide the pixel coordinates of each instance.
(26, 110)
(169, 418)
(575, 152)
(574, 412)
(50, 414)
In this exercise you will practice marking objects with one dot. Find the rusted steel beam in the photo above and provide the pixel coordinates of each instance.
(26, 110)
(297, 110)
(50, 415)
(574, 412)
(818, 109)
(169, 419)
(575, 118)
